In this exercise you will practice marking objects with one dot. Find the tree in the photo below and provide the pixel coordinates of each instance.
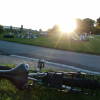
(79, 22)
(79, 25)
(49, 30)
(40, 30)
(85, 25)
(97, 26)
(88, 23)
(98, 21)
(1, 29)
(56, 29)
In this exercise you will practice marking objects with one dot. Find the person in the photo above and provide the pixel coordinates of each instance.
(33, 36)
(90, 32)
(30, 33)
(45, 34)
(26, 35)
(19, 35)
(83, 38)
(85, 34)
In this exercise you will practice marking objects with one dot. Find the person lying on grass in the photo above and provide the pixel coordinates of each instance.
(26, 36)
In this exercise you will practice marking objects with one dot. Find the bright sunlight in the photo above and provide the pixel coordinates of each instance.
(68, 25)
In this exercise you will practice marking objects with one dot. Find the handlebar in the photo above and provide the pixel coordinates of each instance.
(18, 75)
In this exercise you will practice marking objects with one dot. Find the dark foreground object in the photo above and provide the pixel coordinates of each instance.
(70, 82)
(18, 75)
(8, 36)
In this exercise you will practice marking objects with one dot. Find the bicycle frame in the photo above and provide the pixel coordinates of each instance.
(70, 82)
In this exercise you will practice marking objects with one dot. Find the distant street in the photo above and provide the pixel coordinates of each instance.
(79, 60)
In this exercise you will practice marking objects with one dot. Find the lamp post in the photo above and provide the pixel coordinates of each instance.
(88, 26)
(21, 28)
(11, 29)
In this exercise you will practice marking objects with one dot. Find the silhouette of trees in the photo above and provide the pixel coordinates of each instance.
(1, 29)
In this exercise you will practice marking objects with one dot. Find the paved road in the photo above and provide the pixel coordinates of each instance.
(80, 60)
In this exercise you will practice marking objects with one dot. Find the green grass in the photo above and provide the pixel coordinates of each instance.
(61, 42)
(9, 92)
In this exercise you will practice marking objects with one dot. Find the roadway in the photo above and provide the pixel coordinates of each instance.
(79, 60)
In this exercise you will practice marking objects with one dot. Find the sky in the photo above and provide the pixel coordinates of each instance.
(44, 14)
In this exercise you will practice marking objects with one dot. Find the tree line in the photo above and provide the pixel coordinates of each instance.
(1, 29)
(86, 25)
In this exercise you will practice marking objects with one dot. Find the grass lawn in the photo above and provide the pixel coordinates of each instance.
(61, 42)
(9, 92)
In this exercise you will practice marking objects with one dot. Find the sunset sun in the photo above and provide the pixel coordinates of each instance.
(68, 26)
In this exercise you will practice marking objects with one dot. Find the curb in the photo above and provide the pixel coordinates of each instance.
(62, 65)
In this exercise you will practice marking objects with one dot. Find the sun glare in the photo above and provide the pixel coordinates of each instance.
(68, 25)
